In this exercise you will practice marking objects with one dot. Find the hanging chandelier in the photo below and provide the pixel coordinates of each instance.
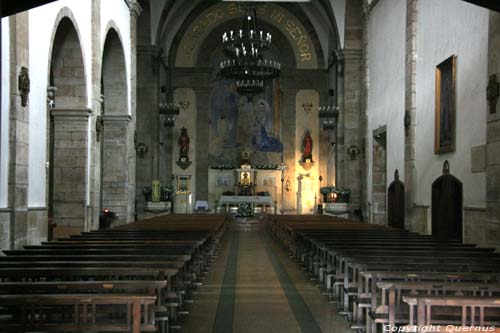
(245, 60)
(169, 108)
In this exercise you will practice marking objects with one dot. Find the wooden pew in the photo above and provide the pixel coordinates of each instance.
(346, 253)
(37, 312)
(472, 311)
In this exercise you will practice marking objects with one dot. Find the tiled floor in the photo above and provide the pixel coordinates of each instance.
(267, 292)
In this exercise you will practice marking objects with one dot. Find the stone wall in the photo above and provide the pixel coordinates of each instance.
(70, 165)
(37, 225)
(115, 176)
(5, 228)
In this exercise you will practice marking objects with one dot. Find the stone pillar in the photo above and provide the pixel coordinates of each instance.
(70, 167)
(350, 139)
(492, 234)
(410, 114)
(18, 132)
(94, 186)
(288, 140)
(147, 120)
(115, 170)
(202, 140)
(135, 11)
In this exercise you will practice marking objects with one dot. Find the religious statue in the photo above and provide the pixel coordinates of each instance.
(24, 85)
(183, 145)
(307, 147)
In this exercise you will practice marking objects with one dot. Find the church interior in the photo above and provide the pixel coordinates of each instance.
(250, 166)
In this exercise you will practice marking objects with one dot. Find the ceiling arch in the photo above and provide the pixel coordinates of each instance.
(169, 17)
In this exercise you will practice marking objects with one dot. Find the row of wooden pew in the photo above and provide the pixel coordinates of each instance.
(133, 278)
(387, 279)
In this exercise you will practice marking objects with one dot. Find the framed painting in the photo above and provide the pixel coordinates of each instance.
(446, 113)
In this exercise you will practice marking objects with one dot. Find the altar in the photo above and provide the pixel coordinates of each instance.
(230, 188)
(238, 200)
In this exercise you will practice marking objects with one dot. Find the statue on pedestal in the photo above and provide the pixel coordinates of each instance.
(183, 144)
(306, 159)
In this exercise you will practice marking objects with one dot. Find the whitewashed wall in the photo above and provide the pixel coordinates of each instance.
(41, 30)
(386, 99)
(4, 140)
(448, 27)
(116, 13)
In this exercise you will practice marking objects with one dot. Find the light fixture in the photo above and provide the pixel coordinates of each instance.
(168, 107)
(329, 114)
(245, 61)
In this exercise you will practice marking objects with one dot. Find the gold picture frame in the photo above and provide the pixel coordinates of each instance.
(446, 106)
(183, 186)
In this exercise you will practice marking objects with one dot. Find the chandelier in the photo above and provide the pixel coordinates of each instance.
(245, 60)
(329, 114)
(169, 108)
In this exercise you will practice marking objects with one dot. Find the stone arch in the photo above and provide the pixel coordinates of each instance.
(114, 72)
(66, 62)
(67, 137)
(114, 137)
(189, 42)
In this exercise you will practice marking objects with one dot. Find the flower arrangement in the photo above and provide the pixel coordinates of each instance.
(223, 166)
(333, 194)
(267, 166)
(245, 210)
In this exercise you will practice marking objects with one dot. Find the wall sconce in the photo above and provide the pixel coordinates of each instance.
(307, 107)
(141, 149)
(51, 97)
(353, 151)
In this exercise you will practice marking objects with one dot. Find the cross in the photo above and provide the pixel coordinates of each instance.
(493, 92)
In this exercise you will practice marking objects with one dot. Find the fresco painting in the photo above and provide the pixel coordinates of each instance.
(239, 123)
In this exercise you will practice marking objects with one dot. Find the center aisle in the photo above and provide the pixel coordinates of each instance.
(255, 287)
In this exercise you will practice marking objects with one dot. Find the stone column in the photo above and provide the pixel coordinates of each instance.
(202, 140)
(410, 116)
(135, 11)
(288, 140)
(18, 132)
(492, 232)
(115, 166)
(351, 149)
(147, 120)
(94, 186)
(70, 167)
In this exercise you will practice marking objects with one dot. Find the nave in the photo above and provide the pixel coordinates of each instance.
(277, 273)
(255, 286)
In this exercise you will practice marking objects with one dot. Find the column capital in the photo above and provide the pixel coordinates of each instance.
(135, 7)
(349, 54)
(116, 119)
(71, 113)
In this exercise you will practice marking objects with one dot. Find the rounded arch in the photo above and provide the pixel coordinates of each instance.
(66, 66)
(198, 27)
(316, 17)
(113, 74)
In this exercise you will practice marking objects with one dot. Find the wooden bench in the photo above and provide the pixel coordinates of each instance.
(471, 311)
(76, 312)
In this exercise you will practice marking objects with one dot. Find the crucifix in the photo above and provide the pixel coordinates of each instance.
(493, 92)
